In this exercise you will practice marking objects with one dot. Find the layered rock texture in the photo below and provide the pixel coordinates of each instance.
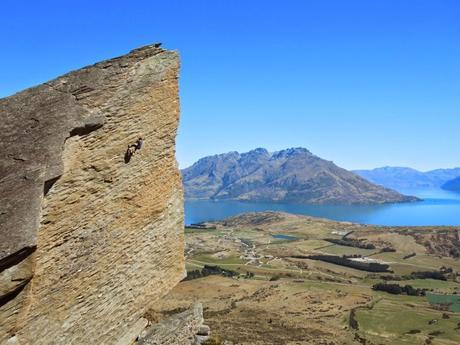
(184, 328)
(292, 175)
(89, 238)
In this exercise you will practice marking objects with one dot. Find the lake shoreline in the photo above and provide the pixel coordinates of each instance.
(438, 208)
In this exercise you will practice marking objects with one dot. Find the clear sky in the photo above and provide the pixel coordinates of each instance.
(362, 83)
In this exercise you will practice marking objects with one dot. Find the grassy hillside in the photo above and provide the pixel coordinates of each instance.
(279, 295)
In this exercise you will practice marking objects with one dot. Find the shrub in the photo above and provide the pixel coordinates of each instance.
(208, 270)
(414, 331)
(409, 256)
(396, 289)
(249, 275)
(364, 266)
(351, 243)
(427, 275)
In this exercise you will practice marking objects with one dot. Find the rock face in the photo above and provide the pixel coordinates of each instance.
(185, 328)
(90, 240)
(292, 175)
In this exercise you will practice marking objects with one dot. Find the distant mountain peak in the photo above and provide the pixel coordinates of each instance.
(403, 178)
(257, 152)
(260, 150)
(293, 174)
(291, 152)
(294, 151)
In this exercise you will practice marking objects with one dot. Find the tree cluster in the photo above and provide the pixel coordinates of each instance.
(397, 289)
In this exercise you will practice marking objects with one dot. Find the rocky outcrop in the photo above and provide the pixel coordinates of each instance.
(185, 328)
(292, 175)
(90, 239)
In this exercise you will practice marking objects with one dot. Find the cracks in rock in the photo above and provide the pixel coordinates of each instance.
(60, 91)
(80, 92)
(16, 258)
(9, 296)
(85, 129)
(35, 122)
(77, 93)
(48, 184)
(18, 159)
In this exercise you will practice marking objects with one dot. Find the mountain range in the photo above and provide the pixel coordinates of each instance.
(291, 175)
(453, 185)
(400, 178)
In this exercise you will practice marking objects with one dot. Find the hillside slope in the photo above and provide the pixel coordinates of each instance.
(292, 175)
(289, 291)
(453, 185)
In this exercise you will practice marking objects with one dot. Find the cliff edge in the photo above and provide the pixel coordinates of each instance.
(90, 238)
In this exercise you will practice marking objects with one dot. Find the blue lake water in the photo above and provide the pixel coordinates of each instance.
(284, 237)
(437, 208)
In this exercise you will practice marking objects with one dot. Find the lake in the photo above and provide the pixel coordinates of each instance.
(437, 208)
(284, 237)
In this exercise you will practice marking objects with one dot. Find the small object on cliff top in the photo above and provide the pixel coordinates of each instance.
(157, 45)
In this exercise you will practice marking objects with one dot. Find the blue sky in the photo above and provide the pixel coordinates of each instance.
(362, 83)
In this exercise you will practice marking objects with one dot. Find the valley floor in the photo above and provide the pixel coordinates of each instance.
(279, 295)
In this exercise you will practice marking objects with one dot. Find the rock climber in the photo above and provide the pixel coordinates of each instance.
(129, 153)
(139, 143)
(131, 149)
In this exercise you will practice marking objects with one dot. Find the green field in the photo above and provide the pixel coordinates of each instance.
(208, 259)
(189, 230)
(323, 288)
(453, 301)
(345, 250)
(405, 323)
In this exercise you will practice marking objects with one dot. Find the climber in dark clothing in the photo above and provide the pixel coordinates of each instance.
(129, 153)
(137, 145)
(133, 148)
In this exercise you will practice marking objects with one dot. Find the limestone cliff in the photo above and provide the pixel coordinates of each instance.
(89, 241)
